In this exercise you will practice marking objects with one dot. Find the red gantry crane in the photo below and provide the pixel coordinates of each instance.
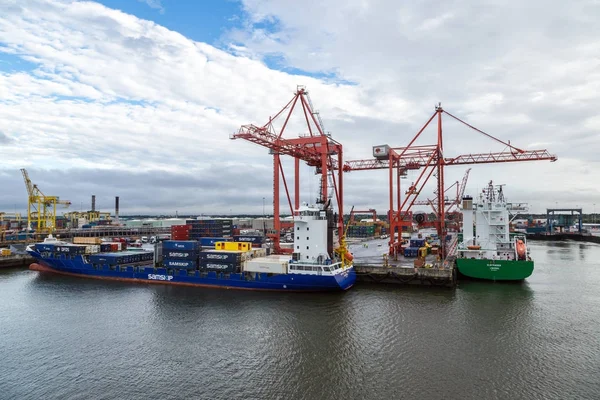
(370, 211)
(431, 159)
(316, 149)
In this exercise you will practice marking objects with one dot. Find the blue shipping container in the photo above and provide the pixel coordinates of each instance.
(170, 263)
(181, 254)
(220, 256)
(104, 247)
(417, 242)
(210, 241)
(411, 251)
(191, 245)
(251, 239)
(220, 267)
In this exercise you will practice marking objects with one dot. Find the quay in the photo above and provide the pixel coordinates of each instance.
(16, 261)
(372, 267)
(558, 237)
(366, 273)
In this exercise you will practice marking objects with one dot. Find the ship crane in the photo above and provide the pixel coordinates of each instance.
(41, 209)
(316, 149)
(430, 159)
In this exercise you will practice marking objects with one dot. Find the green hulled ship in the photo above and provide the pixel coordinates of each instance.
(492, 253)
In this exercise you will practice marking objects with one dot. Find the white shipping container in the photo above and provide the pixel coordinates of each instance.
(268, 265)
(92, 249)
(259, 253)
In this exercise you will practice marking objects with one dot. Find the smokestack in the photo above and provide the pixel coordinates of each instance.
(93, 202)
(117, 209)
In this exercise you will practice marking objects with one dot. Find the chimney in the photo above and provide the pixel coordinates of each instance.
(117, 209)
(93, 202)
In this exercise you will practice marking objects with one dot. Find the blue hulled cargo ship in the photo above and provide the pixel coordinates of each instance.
(314, 264)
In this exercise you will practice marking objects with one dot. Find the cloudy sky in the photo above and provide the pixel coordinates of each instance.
(139, 98)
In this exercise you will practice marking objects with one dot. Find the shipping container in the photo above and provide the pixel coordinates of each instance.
(115, 246)
(180, 254)
(222, 256)
(121, 258)
(259, 253)
(250, 239)
(180, 236)
(267, 264)
(210, 241)
(417, 242)
(92, 249)
(190, 245)
(87, 240)
(105, 247)
(187, 264)
(219, 267)
(411, 251)
(233, 246)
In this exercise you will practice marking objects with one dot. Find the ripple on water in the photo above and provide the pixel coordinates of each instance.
(79, 339)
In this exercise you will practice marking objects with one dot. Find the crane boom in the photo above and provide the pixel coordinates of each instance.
(41, 209)
(412, 161)
(28, 184)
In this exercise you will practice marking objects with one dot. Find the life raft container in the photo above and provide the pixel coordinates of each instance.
(521, 250)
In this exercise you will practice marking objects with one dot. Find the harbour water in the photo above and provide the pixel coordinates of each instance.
(71, 338)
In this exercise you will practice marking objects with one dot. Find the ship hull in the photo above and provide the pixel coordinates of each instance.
(495, 270)
(249, 281)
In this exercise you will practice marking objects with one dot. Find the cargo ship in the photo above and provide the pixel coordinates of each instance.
(490, 251)
(314, 264)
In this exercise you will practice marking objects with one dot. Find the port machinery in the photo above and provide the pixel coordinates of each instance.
(430, 159)
(317, 149)
(41, 208)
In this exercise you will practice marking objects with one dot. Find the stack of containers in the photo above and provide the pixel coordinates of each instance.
(210, 228)
(361, 230)
(221, 260)
(413, 249)
(180, 254)
(180, 232)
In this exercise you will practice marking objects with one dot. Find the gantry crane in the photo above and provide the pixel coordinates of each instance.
(430, 159)
(41, 209)
(370, 211)
(316, 149)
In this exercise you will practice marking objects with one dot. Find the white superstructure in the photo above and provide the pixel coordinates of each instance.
(310, 235)
(310, 249)
(491, 216)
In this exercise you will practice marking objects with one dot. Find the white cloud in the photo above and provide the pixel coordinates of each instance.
(157, 4)
(115, 92)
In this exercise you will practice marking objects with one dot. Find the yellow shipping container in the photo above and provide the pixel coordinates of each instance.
(233, 246)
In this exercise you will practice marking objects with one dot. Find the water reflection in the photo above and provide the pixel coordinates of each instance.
(66, 337)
